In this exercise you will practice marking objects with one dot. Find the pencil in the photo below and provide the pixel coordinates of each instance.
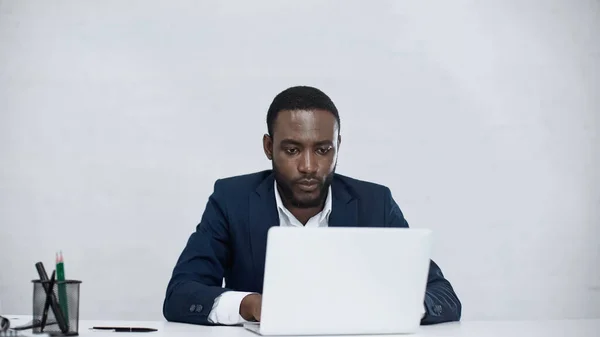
(62, 286)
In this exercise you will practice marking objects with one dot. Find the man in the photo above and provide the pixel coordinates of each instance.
(301, 190)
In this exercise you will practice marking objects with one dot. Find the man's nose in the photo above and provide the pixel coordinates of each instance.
(308, 163)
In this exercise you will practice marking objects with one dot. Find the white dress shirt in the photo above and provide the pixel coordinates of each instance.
(226, 308)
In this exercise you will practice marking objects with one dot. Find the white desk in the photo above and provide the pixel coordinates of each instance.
(566, 328)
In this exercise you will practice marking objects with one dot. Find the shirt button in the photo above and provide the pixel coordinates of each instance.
(192, 308)
(199, 307)
(437, 309)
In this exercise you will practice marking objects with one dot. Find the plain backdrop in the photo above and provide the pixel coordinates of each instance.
(116, 117)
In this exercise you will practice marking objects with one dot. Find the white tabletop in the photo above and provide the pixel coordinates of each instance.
(551, 328)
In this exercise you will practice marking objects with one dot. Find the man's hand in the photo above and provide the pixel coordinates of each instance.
(250, 307)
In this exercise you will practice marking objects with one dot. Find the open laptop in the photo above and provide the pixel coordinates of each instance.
(343, 280)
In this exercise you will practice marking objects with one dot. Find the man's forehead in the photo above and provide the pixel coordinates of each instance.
(305, 120)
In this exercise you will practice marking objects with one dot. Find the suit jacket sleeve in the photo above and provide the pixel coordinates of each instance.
(441, 302)
(198, 275)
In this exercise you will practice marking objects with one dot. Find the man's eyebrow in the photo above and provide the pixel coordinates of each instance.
(289, 142)
(324, 142)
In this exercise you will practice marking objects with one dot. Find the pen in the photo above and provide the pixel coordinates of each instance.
(124, 329)
(48, 300)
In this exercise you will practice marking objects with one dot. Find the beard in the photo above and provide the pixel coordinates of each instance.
(286, 189)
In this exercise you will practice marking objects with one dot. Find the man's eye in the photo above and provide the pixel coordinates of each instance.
(323, 150)
(291, 151)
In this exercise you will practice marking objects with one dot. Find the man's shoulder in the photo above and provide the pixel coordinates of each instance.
(241, 183)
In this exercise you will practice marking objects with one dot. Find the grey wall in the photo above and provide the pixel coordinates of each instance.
(482, 117)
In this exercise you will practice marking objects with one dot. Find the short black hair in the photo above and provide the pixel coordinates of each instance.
(300, 98)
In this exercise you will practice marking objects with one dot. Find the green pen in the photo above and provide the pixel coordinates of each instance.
(62, 286)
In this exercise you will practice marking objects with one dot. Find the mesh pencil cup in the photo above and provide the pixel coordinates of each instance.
(63, 296)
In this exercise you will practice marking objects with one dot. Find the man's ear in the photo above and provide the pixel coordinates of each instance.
(268, 146)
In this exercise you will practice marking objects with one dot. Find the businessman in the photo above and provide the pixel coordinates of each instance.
(301, 190)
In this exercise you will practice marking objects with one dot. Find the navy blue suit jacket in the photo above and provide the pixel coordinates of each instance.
(230, 242)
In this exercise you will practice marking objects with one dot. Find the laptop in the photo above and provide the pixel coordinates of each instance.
(343, 280)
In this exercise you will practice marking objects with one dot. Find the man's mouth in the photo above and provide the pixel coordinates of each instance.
(308, 185)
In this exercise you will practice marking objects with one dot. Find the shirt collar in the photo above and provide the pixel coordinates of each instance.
(323, 215)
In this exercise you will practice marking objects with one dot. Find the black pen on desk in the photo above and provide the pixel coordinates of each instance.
(124, 329)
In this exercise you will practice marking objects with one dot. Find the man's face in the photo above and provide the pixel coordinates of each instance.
(303, 149)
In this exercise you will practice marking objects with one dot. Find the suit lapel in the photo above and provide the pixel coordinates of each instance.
(344, 210)
(262, 216)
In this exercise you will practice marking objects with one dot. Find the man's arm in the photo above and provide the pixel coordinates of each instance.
(441, 302)
(197, 278)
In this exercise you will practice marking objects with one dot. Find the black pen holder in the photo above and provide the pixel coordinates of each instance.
(48, 297)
